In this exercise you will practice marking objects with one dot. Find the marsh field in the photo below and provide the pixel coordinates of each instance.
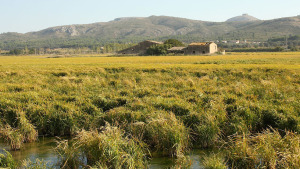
(119, 112)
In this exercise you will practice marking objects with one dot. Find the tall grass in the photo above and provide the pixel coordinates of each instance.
(169, 103)
(24, 132)
(13, 137)
(27, 129)
(166, 134)
(265, 150)
(69, 154)
(108, 148)
(205, 131)
(214, 161)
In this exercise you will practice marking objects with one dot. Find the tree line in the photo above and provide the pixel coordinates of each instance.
(89, 46)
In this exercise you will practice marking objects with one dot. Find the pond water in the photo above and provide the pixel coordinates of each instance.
(44, 149)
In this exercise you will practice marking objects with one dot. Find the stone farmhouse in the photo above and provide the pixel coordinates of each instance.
(140, 48)
(199, 48)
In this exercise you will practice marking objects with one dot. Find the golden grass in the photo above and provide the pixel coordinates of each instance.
(285, 60)
(211, 97)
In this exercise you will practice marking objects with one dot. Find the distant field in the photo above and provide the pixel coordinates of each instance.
(170, 103)
(233, 60)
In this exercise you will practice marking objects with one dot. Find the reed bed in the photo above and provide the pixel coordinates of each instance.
(170, 104)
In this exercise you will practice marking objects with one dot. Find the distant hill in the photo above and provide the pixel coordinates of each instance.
(242, 18)
(136, 29)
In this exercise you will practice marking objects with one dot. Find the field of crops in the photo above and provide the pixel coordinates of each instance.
(121, 110)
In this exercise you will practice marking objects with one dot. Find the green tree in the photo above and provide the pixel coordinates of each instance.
(278, 49)
(15, 52)
(173, 42)
(159, 49)
(31, 51)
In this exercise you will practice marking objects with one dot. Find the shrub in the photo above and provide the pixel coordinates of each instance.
(173, 42)
(161, 49)
(7, 161)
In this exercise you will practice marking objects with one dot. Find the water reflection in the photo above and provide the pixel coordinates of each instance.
(44, 149)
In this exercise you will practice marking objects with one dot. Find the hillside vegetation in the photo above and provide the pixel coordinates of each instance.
(133, 30)
(120, 110)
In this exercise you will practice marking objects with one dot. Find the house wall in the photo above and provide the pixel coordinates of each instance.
(196, 50)
(201, 49)
(213, 48)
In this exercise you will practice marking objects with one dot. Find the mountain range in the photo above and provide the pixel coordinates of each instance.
(135, 29)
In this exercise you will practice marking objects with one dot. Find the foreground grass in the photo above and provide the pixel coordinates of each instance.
(171, 103)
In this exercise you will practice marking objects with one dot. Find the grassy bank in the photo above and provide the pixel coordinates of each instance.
(171, 104)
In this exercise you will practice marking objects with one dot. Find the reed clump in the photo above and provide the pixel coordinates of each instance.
(28, 131)
(68, 154)
(204, 129)
(107, 148)
(265, 150)
(112, 149)
(13, 137)
(24, 132)
(166, 134)
(214, 161)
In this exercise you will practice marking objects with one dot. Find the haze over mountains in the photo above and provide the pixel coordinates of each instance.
(134, 29)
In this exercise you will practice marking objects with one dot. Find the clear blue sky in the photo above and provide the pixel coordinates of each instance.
(33, 15)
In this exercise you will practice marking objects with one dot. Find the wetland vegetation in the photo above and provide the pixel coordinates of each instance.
(120, 111)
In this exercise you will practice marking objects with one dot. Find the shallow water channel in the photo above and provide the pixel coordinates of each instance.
(44, 149)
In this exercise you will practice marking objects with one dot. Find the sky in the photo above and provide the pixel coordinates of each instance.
(33, 15)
